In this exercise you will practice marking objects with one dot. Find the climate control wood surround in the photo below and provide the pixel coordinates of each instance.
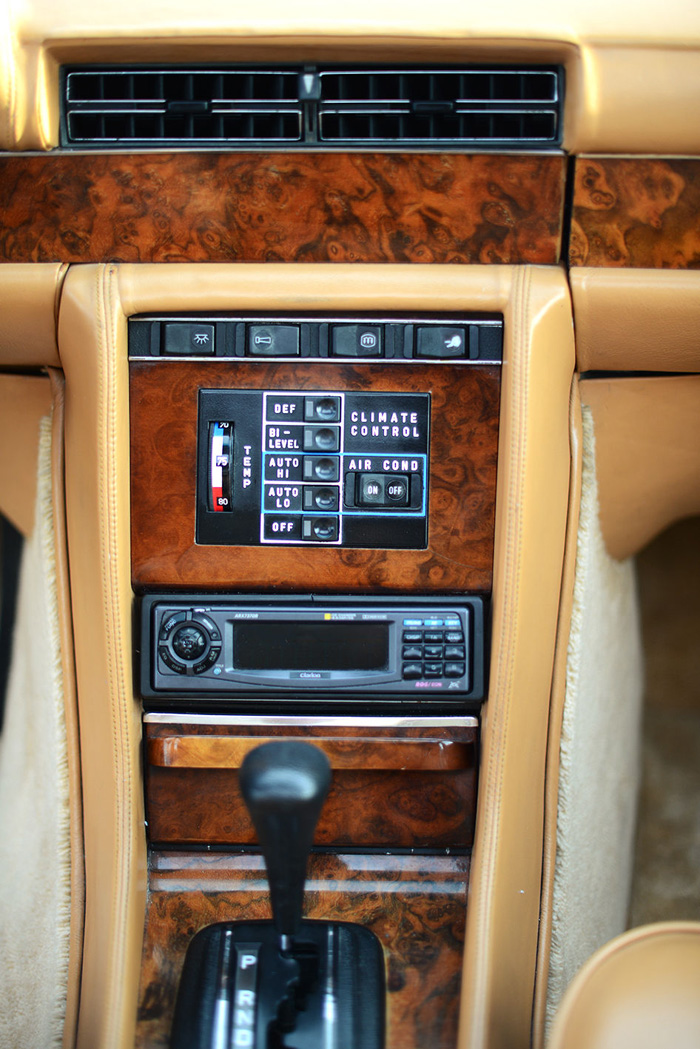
(463, 451)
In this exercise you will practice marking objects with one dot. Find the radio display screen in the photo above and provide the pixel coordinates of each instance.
(286, 645)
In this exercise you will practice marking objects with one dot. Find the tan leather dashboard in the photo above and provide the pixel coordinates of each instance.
(632, 86)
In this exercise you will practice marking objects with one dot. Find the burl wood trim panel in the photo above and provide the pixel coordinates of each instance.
(415, 905)
(281, 207)
(463, 452)
(228, 752)
(366, 806)
(636, 213)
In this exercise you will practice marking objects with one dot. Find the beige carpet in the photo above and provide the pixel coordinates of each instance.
(667, 861)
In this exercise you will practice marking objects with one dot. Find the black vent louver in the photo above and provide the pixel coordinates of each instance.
(306, 106)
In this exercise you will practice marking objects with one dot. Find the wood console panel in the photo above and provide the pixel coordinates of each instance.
(463, 453)
(281, 207)
(380, 795)
(416, 905)
(636, 212)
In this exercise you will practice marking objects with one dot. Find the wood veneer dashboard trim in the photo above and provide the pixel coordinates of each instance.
(463, 445)
(282, 207)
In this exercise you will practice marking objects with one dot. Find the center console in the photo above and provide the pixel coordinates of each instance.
(312, 514)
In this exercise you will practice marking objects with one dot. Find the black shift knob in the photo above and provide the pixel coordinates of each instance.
(284, 786)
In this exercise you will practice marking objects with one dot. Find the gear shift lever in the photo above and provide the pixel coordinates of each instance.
(284, 786)
(257, 983)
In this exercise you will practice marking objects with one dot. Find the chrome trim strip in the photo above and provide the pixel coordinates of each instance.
(310, 721)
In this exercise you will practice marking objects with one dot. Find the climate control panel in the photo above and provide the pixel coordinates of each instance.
(324, 467)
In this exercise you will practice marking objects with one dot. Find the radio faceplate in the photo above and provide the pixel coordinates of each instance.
(205, 649)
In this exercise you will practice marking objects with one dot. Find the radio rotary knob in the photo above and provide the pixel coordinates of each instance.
(189, 642)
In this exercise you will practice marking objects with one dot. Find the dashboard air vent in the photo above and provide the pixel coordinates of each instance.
(244, 107)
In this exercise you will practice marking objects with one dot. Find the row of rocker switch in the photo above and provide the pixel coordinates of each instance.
(190, 338)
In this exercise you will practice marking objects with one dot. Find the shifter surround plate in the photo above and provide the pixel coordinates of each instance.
(239, 988)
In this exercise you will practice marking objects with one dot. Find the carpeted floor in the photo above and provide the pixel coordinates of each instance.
(667, 862)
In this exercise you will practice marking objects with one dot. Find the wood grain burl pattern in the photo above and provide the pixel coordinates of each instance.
(642, 212)
(281, 207)
(373, 801)
(415, 905)
(463, 454)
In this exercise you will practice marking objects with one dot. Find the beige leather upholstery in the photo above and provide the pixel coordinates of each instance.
(29, 296)
(533, 501)
(632, 85)
(636, 320)
(647, 455)
(24, 401)
(640, 991)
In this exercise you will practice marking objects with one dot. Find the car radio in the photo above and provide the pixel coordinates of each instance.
(204, 649)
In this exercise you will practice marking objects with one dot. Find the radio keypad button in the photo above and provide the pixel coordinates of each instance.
(209, 625)
(455, 669)
(209, 661)
(321, 468)
(433, 669)
(413, 622)
(319, 529)
(454, 637)
(170, 623)
(433, 651)
(412, 637)
(433, 637)
(454, 652)
(412, 652)
(171, 662)
(411, 671)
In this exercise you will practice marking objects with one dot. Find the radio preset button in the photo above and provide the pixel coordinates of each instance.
(433, 651)
(455, 669)
(412, 652)
(412, 670)
(322, 409)
(321, 468)
(454, 637)
(316, 498)
(321, 438)
(454, 652)
(320, 529)
(433, 669)
(189, 642)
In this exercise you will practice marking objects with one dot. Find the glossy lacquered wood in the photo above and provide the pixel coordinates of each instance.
(636, 212)
(376, 798)
(463, 452)
(416, 905)
(281, 207)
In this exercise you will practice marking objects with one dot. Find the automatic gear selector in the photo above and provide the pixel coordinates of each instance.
(285, 983)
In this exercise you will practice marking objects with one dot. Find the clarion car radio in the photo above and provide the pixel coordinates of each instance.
(218, 651)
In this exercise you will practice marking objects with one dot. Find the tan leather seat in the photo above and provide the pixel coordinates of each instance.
(640, 991)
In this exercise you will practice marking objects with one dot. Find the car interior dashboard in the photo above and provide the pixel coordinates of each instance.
(349, 358)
